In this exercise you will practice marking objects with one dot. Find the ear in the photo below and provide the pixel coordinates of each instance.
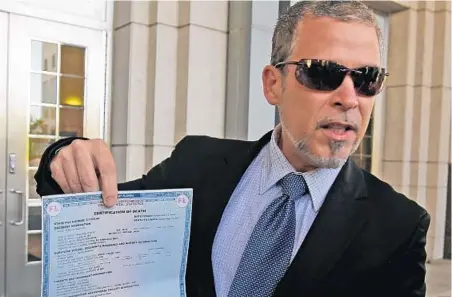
(272, 82)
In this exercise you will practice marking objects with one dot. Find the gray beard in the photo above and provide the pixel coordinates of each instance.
(318, 161)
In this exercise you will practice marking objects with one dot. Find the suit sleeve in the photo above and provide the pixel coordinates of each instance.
(407, 271)
(45, 185)
(156, 178)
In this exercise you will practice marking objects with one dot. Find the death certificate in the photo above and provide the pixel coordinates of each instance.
(136, 248)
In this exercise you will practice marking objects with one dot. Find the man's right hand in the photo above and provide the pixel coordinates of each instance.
(86, 166)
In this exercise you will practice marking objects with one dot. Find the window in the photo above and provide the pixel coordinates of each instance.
(56, 111)
(363, 155)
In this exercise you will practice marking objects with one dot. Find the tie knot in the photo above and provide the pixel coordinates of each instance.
(294, 185)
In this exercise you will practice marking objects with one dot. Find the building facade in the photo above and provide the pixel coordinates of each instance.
(142, 75)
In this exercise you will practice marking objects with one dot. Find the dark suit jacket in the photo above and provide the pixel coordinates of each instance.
(367, 240)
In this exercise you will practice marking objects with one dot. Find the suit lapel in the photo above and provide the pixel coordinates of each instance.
(339, 220)
(219, 181)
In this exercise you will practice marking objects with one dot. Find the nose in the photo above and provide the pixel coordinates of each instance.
(345, 96)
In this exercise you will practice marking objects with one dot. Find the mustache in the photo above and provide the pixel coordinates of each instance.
(327, 121)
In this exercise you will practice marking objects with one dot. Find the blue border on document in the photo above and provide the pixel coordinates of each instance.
(77, 198)
(186, 243)
(45, 249)
(96, 196)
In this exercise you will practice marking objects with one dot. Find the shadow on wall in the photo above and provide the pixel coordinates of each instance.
(447, 236)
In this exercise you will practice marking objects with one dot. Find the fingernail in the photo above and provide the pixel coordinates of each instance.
(109, 201)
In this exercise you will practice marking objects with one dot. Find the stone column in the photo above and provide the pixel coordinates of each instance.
(144, 79)
(201, 72)
(169, 68)
(251, 23)
(418, 110)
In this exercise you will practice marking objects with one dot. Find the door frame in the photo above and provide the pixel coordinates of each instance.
(378, 124)
(4, 28)
(26, 29)
(105, 24)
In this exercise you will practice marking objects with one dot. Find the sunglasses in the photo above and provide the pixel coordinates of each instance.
(323, 75)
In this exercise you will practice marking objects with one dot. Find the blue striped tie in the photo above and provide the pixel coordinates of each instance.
(269, 249)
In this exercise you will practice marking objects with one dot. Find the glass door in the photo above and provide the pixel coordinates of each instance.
(3, 94)
(56, 89)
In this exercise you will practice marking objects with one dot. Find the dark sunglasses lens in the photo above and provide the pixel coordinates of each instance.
(320, 75)
(368, 81)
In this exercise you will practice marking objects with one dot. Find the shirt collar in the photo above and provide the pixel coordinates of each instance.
(276, 166)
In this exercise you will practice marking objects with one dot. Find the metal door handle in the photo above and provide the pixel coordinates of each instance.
(12, 163)
(22, 208)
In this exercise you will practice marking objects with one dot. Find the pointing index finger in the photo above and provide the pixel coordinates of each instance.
(105, 165)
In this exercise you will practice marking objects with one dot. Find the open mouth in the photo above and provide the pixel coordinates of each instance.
(339, 127)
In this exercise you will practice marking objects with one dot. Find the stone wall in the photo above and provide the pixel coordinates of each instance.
(417, 125)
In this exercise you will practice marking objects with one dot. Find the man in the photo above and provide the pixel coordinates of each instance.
(290, 214)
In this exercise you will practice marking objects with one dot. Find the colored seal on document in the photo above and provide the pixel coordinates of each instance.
(53, 209)
(182, 201)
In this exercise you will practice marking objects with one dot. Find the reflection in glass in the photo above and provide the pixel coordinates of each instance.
(356, 159)
(71, 122)
(43, 88)
(34, 218)
(367, 164)
(366, 146)
(363, 161)
(42, 120)
(32, 185)
(72, 60)
(36, 146)
(72, 91)
(34, 247)
(370, 127)
(44, 56)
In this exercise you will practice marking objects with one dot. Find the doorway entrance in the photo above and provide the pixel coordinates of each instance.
(52, 85)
